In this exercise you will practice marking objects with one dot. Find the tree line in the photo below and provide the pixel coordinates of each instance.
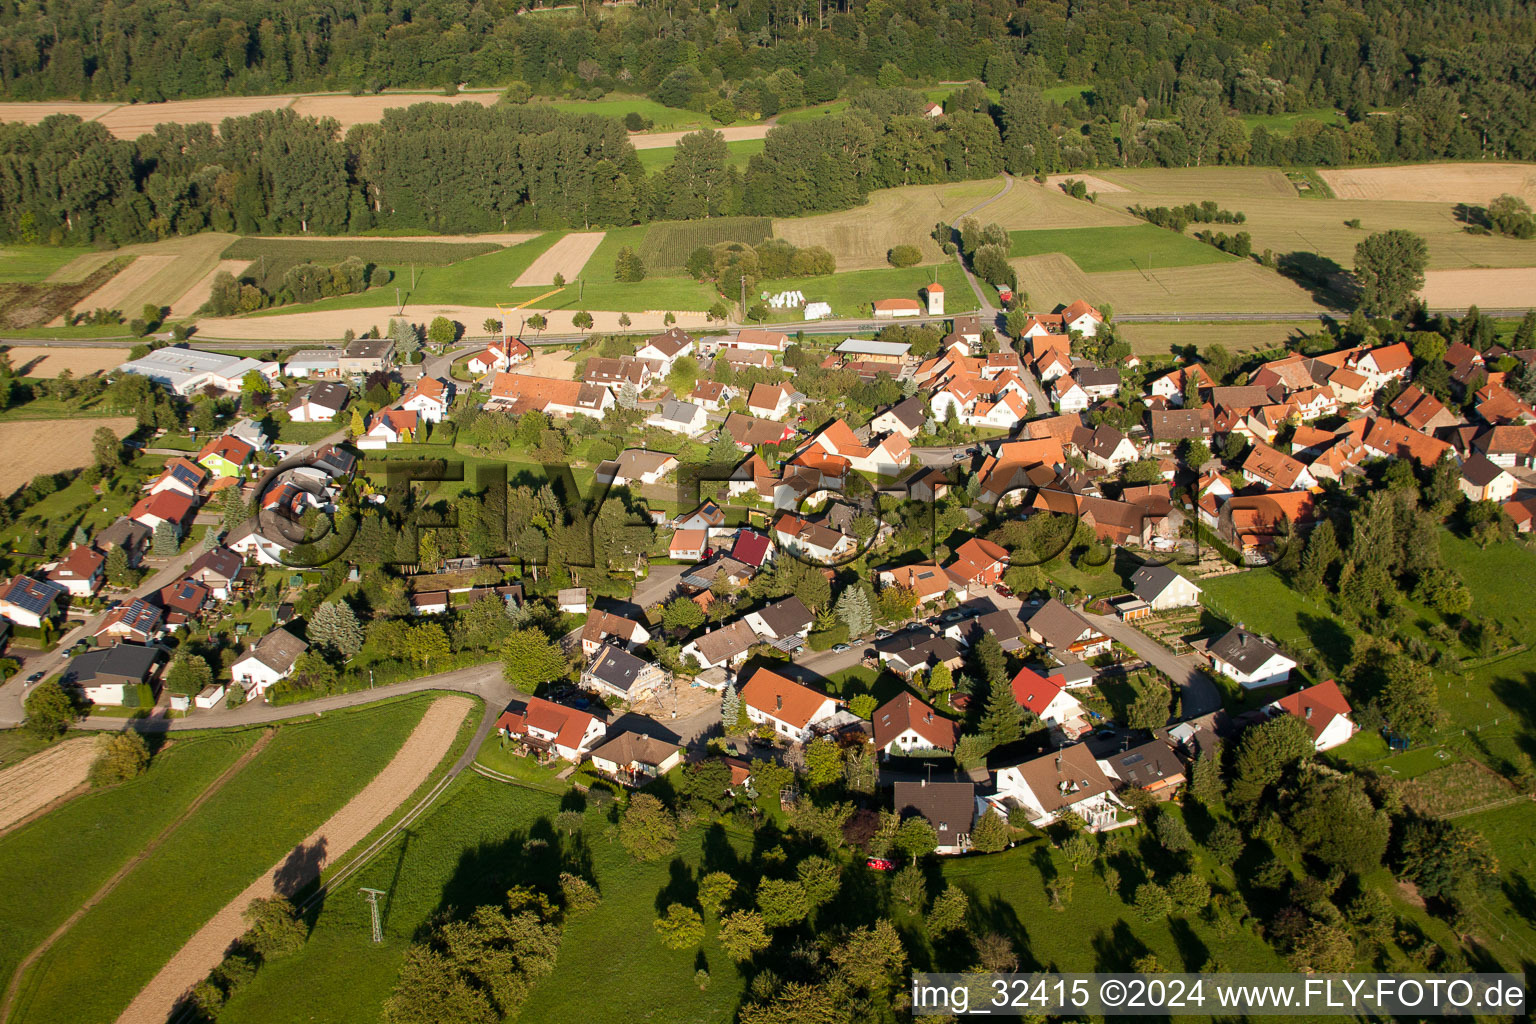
(1169, 74)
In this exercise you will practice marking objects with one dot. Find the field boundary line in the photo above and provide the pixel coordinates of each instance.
(55, 803)
(14, 987)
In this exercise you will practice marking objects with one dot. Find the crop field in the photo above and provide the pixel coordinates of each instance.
(97, 833)
(1092, 182)
(51, 446)
(668, 244)
(33, 113)
(161, 274)
(383, 251)
(1142, 247)
(351, 110)
(102, 962)
(1160, 339)
(29, 264)
(1491, 289)
(28, 787)
(1233, 286)
(564, 259)
(860, 238)
(36, 361)
(194, 298)
(1204, 182)
(1028, 206)
(1434, 183)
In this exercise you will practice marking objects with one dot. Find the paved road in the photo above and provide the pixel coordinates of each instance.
(659, 585)
(13, 693)
(988, 311)
(1201, 696)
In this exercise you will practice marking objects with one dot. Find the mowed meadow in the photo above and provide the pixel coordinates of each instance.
(307, 771)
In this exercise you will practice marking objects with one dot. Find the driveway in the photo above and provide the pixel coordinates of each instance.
(1201, 697)
(659, 585)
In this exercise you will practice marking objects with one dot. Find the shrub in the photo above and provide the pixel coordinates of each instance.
(904, 256)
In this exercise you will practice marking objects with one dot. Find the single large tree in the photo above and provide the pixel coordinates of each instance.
(1389, 268)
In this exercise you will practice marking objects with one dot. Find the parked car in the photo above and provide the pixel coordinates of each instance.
(839, 648)
(953, 615)
(880, 864)
(34, 677)
(1002, 591)
(884, 634)
(960, 456)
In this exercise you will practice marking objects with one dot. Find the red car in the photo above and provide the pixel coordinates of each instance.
(1002, 591)
(880, 864)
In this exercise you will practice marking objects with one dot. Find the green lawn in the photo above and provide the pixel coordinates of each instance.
(1062, 93)
(96, 834)
(1281, 124)
(310, 769)
(468, 851)
(742, 151)
(307, 433)
(851, 293)
(1261, 600)
(497, 755)
(32, 263)
(49, 407)
(812, 113)
(480, 281)
(1120, 248)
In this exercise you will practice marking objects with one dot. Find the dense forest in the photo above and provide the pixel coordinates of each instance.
(1167, 83)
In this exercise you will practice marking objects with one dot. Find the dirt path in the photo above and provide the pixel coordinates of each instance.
(43, 778)
(122, 872)
(422, 751)
(566, 257)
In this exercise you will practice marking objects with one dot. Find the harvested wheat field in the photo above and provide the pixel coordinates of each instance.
(126, 284)
(41, 779)
(351, 110)
(331, 324)
(423, 749)
(860, 238)
(51, 446)
(1237, 287)
(131, 120)
(41, 361)
(161, 273)
(1229, 183)
(1092, 182)
(1509, 288)
(566, 257)
(1434, 183)
(32, 113)
(1052, 280)
(666, 140)
(193, 298)
(1160, 339)
(1029, 206)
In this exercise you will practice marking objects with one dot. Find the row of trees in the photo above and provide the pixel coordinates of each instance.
(1461, 72)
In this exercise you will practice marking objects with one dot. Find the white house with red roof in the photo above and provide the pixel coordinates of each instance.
(666, 348)
(1325, 711)
(1049, 700)
(429, 398)
(905, 725)
(886, 456)
(790, 709)
(770, 401)
(1389, 362)
(1082, 317)
(499, 355)
(979, 562)
(567, 732)
(165, 507)
(80, 572)
(389, 426)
